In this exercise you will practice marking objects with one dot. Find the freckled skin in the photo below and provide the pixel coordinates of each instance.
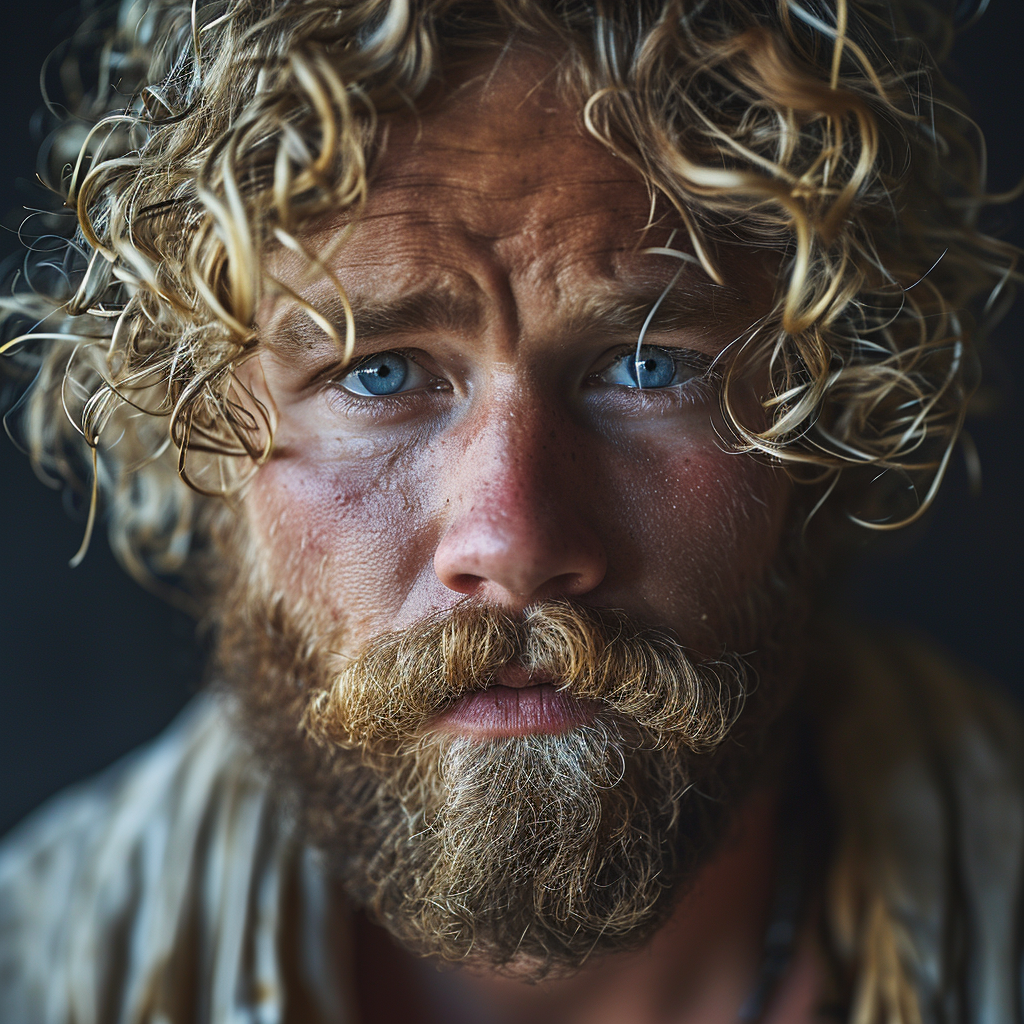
(517, 478)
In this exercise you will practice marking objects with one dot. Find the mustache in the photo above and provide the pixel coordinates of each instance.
(643, 678)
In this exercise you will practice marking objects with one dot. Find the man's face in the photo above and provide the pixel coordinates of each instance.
(499, 275)
(497, 446)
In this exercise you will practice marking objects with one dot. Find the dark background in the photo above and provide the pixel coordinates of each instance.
(91, 665)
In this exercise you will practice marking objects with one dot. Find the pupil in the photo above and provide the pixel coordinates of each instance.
(384, 374)
(651, 368)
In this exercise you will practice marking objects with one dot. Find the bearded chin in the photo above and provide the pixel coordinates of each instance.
(526, 854)
(523, 854)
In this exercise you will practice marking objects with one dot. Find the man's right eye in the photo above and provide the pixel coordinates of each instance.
(383, 374)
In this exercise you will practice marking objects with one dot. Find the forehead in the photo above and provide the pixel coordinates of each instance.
(502, 157)
(496, 194)
(510, 135)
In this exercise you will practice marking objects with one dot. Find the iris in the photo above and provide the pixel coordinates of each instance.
(383, 374)
(651, 367)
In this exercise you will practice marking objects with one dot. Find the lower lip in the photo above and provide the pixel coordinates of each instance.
(516, 711)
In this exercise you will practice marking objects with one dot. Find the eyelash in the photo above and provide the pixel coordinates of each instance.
(383, 407)
(691, 392)
(703, 384)
(695, 389)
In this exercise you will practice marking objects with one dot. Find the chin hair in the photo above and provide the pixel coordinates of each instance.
(524, 854)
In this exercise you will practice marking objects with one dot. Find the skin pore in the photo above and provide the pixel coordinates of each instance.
(489, 441)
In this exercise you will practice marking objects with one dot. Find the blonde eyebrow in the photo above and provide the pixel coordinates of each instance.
(431, 310)
(438, 309)
(451, 310)
(698, 304)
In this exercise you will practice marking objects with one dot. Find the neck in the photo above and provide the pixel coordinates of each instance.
(700, 966)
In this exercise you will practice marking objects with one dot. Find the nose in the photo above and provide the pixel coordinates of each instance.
(518, 529)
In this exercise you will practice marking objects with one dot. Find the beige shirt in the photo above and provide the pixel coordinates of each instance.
(172, 889)
(169, 889)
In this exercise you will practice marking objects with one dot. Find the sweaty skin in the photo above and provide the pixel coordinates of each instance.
(501, 256)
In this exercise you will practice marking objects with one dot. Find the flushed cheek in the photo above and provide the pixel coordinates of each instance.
(340, 537)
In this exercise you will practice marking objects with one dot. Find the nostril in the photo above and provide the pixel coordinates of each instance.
(570, 584)
(464, 583)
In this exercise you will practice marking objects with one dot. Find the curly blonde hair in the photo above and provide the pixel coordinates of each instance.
(819, 128)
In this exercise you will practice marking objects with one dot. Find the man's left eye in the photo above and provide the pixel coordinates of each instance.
(383, 374)
(651, 367)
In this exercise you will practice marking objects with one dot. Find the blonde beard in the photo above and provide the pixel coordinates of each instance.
(525, 854)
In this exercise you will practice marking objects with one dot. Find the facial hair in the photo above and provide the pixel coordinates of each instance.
(525, 854)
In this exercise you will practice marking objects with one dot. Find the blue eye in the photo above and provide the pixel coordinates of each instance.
(381, 374)
(651, 368)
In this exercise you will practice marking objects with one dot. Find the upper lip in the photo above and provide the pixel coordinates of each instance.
(516, 677)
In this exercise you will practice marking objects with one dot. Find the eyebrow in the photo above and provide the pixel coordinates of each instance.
(453, 310)
(698, 303)
(442, 310)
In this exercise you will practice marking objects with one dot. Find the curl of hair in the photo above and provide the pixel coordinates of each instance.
(818, 128)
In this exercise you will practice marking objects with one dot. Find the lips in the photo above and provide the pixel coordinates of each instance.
(517, 705)
(516, 711)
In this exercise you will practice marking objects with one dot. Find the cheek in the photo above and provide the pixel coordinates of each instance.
(697, 530)
(340, 537)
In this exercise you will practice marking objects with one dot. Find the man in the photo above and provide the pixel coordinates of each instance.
(500, 376)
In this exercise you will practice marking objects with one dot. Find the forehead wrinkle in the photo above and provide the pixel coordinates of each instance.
(418, 213)
(567, 246)
(407, 199)
(457, 307)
